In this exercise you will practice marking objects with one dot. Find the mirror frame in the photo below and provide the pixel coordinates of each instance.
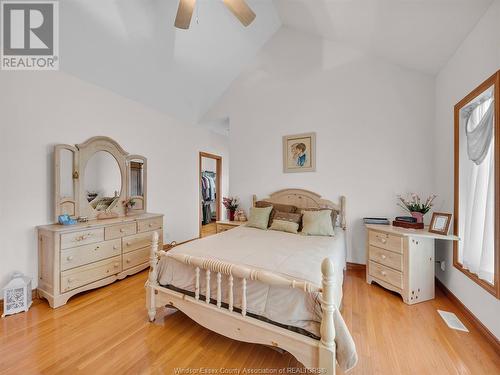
(494, 80)
(129, 159)
(66, 204)
(79, 206)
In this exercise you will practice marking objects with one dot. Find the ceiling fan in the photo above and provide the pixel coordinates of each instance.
(238, 7)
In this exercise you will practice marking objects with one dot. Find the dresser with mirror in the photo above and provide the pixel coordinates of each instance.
(104, 188)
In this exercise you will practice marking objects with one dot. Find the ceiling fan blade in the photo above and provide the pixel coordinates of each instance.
(184, 13)
(241, 10)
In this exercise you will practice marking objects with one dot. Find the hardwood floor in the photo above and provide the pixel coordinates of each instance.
(208, 230)
(106, 331)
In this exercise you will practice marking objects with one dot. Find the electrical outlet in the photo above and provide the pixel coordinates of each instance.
(442, 265)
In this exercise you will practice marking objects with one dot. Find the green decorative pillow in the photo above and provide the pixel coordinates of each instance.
(317, 223)
(259, 217)
(285, 226)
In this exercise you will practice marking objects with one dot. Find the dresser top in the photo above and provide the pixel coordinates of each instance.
(98, 223)
(410, 232)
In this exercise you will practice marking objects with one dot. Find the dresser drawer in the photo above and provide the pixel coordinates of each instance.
(85, 237)
(118, 231)
(386, 241)
(78, 256)
(386, 274)
(134, 258)
(386, 258)
(138, 241)
(149, 224)
(84, 275)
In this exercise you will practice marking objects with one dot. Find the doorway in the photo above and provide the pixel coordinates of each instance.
(210, 169)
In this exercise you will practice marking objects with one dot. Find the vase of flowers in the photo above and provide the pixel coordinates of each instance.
(128, 205)
(415, 206)
(231, 204)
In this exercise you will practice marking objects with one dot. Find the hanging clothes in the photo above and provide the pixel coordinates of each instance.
(208, 194)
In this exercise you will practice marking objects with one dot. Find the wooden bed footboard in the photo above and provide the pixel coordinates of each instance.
(313, 354)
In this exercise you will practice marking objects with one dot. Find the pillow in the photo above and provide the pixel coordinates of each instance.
(285, 226)
(288, 216)
(317, 223)
(334, 214)
(259, 217)
(276, 207)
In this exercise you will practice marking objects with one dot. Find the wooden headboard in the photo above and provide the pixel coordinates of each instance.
(306, 199)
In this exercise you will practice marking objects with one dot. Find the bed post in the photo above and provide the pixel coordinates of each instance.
(153, 278)
(254, 200)
(327, 343)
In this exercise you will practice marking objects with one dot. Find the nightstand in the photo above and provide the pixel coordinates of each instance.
(223, 225)
(402, 260)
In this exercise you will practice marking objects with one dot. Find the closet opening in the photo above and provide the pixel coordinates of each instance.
(210, 193)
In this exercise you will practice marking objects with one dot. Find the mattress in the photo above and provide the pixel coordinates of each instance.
(291, 255)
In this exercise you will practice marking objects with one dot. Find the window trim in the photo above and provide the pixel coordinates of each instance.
(494, 288)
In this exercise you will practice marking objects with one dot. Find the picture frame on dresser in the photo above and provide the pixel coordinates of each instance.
(94, 179)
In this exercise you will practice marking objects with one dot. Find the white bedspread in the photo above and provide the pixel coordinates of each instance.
(291, 255)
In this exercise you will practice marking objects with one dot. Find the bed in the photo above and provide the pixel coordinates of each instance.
(264, 286)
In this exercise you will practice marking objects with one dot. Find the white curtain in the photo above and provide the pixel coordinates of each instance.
(478, 237)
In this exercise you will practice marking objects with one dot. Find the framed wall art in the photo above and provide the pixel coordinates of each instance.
(299, 153)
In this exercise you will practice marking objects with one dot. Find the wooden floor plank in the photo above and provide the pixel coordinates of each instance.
(106, 331)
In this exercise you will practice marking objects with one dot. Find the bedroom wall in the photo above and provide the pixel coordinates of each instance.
(40, 109)
(373, 121)
(475, 60)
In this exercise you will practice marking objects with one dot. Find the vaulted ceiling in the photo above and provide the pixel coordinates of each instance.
(132, 48)
(418, 34)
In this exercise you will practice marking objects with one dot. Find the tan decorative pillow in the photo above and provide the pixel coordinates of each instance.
(285, 226)
(334, 214)
(259, 217)
(317, 223)
(288, 216)
(276, 207)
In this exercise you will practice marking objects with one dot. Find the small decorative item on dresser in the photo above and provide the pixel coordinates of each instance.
(231, 204)
(440, 223)
(240, 216)
(17, 295)
(415, 207)
(128, 204)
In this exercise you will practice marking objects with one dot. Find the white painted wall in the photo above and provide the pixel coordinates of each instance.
(373, 122)
(40, 109)
(476, 59)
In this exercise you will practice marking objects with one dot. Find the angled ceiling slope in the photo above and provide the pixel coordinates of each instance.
(131, 47)
(417, 34)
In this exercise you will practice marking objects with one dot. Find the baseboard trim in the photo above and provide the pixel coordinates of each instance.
(490, 337)
(356, 266)
(169, 246)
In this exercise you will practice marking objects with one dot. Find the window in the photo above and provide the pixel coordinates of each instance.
(477, 151)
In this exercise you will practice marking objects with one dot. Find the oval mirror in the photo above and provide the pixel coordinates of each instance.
(103, 182)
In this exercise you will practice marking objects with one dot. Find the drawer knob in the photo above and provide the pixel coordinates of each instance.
(70, 258)
(116, 265)
(122, 230)
(150, 225)
(383, 273)
(96, 248)
(115, 247)
(383, 240)
(383, 256)
(107, 271)
(128, 260)
(128, 244)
